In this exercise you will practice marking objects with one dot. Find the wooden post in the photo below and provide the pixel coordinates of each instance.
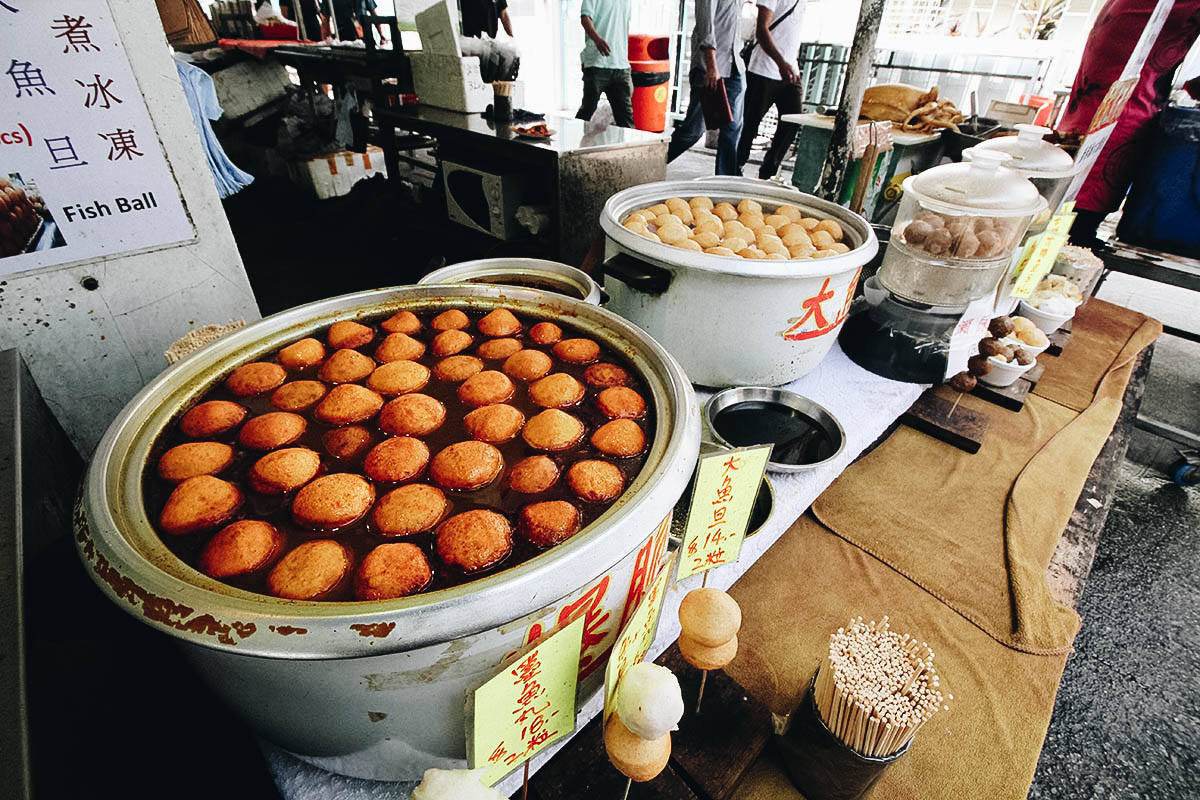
(858, 74)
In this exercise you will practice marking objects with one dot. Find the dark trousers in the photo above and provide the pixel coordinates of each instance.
(617, 85)
(689, 130)
(761, 94)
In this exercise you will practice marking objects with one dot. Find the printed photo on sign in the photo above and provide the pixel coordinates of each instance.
(26, 223)
(74, 124)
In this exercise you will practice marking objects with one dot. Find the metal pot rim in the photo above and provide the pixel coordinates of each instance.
(117, 525)
(485, 267)
(730, 189)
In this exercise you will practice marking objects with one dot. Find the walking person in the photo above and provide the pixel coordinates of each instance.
(605, 59)
(715, 60)
(772, 80)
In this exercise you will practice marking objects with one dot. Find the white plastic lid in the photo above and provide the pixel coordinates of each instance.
(1031, 154)
(980, 186)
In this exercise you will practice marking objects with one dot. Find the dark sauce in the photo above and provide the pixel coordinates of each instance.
(276, 509)
(797, 437)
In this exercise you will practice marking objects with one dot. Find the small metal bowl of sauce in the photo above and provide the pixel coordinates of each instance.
(804, 433)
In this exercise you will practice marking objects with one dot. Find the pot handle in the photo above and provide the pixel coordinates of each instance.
(637, 274)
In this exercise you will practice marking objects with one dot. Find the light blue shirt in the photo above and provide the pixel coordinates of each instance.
(610, 18)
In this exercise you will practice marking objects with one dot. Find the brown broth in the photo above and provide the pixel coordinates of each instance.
(276, 509)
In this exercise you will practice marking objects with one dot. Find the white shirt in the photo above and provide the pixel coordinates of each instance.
(786, 36)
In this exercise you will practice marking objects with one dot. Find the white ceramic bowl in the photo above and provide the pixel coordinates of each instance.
(1047, 323)
(1005, 374)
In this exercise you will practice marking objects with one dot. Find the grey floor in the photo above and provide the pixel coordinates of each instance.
(1127, 719)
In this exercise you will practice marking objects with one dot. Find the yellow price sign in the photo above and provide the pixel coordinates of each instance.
(1036, 262)
(1061, 223)
(727, 485)
(634, 640)
(528, 706)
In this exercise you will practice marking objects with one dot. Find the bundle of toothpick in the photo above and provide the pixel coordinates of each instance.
(877, 688)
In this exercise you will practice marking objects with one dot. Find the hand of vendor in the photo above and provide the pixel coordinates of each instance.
(601, 45)
(712, 77)
(788, 73)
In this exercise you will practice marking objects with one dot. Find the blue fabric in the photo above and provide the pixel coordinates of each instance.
(689, 130)
(201, 97)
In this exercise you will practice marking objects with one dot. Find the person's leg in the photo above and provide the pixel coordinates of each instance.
(758, 100)
(591, 94)
(727, 141)
(789, 99)
(620, 96)
(689, 130)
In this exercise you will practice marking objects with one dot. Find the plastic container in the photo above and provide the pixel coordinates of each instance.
(1081, 267)
(957, 229)
(1047, 323)
(1047, 166)
(1004, 373)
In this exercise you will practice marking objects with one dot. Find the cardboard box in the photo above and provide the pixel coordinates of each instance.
(335, 174)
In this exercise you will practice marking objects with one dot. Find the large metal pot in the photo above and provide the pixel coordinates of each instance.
(377, 690)
(537, 273)
(733, 321)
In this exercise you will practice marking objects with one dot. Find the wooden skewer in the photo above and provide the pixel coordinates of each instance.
(700, 694)
(954, 407)
(525, 783)
(628, 786)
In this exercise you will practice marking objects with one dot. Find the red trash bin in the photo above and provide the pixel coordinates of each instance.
(650, 68)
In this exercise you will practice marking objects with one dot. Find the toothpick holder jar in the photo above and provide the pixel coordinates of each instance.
(820, 765)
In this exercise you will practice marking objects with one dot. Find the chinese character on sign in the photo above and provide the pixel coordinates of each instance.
(99, 93)
(76, 31)
(27, 79)
(63, 153)
(121, 145)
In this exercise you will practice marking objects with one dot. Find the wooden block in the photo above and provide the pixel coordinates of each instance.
(582, 769)
(1013, 396)
(712, 750)
(931, 415)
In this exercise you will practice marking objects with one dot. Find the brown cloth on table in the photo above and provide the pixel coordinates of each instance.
(954, 547)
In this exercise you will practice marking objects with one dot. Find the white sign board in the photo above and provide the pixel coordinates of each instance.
(82, 173)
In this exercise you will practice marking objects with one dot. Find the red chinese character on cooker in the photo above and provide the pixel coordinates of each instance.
(594, 619)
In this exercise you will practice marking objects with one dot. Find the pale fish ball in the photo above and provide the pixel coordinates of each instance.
(649, 701)
(663, 220)
(777, 256)
(651, 236)
(735, 228)
(802, 251)
(773, 245)
(643, 214)
(689, 244)
(711, 225)
(796, 236)
(752, 206)
(706, 239)
(825, 254)
(835, 230)
(455, 784)
(675, 202)
(660, 208)
(809, 223)
(777, 221)
(684, 212)
(766, 230)
(791, 212)
(674, 234)
(840, 247)
(720, 251)
(822, 240)
(751, 221)
(701, 202)
(725, 211)
(784, 230)
(636, 224)
(735, 244)
(750, 252)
